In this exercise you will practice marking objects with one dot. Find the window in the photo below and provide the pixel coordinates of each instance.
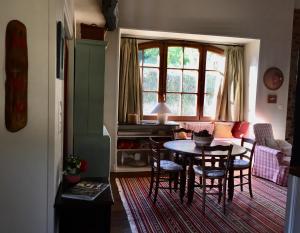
(188, 76)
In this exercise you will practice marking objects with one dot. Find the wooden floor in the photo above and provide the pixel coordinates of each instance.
(119, 221)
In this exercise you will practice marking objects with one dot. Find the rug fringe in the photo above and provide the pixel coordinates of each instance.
(126, 207)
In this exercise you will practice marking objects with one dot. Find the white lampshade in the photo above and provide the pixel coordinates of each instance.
(162, 111)
(161, 108)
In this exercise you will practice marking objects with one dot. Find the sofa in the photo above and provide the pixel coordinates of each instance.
(271, 157)
(222, 130)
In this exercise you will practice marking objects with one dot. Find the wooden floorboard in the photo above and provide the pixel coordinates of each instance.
(119, 220)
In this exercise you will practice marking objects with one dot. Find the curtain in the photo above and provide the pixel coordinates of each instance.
(130, 86)
(232, 101)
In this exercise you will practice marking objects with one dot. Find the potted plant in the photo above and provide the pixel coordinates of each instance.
(73, 166)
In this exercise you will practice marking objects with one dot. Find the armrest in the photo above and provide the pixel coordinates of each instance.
(285, 147)
(270, 154)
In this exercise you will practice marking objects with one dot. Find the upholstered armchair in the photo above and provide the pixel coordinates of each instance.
(271, 157)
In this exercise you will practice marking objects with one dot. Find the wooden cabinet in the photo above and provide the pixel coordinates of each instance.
(91, 140)
(133, 144)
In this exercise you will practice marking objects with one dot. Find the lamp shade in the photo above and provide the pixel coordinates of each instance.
(161, 108)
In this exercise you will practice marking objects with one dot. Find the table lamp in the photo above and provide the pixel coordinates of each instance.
(162, 111)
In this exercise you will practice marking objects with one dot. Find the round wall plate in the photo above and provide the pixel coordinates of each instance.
(273, 78)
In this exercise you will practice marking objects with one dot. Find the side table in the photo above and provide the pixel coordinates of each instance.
(79, 216)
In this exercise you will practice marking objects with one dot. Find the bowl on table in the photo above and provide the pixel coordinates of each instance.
(202, 139)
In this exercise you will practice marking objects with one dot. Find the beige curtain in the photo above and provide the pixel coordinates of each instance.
(130, 86)
(232, 101)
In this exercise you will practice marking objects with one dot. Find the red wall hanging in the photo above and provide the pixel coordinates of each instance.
(16, 68)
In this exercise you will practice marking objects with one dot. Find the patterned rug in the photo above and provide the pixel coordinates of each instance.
(263, 214)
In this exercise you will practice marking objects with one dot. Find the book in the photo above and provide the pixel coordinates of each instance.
(85, 190)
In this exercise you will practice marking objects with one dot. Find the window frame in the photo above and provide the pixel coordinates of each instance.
(163, 52)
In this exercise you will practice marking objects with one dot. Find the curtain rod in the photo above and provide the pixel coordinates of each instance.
(205, 43)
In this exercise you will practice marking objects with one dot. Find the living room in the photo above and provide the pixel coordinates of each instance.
(264, 29)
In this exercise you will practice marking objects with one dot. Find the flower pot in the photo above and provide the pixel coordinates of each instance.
(72, 179)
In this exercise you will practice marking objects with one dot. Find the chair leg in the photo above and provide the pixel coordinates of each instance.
(250, 184)
(220, 190)
(151, 182)
(224, 196)
(156, 187)
(241, 180)
(212, 181)
(170, 181)
(176, 175)
(182, 185)
(204, 196)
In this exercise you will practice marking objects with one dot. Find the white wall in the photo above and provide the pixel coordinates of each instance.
(251, 53)
(57, 12)
(32, 157)
(247, 19)
(111, 89)
(23, 174)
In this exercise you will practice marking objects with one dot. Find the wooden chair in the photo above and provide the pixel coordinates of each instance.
(214, 166)
(162, 170)
(245, 163)
(176, 132)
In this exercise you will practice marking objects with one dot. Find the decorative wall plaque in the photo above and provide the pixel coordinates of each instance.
(16, 68)
(273, 78)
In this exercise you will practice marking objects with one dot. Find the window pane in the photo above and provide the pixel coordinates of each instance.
(140, 57)
(151, 57)
(150, 100)
(215, 61)
(191, 58)
(190, 81)
(150, 79)
(175, 57)
(174, 103)
(213, 81)
(189, 105)
(174, 80)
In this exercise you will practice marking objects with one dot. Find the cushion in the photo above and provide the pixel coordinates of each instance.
(272, 143)
(223, 130)
(169, 165)
(239, 129)
(181, 135)
(209, 173)
(241, 163)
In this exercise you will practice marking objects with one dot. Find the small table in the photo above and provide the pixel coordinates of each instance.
(84, 216)
(188, 149)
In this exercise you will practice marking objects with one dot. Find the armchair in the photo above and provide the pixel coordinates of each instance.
(271, 157)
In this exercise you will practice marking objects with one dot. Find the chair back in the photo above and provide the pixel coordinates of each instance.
(155, 147)
(182, 130)
(262, 131)
(216, 158)
(249, 144)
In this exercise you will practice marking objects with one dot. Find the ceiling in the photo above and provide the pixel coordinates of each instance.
(89, 12)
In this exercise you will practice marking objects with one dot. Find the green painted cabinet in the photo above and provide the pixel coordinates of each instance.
(91, 140)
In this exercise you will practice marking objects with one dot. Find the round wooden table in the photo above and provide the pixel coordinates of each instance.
(188, 150)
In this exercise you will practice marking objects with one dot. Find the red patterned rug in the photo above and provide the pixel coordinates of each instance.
(263, 214)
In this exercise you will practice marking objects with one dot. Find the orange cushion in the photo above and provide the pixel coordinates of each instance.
(181, 135)
(223, 130)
